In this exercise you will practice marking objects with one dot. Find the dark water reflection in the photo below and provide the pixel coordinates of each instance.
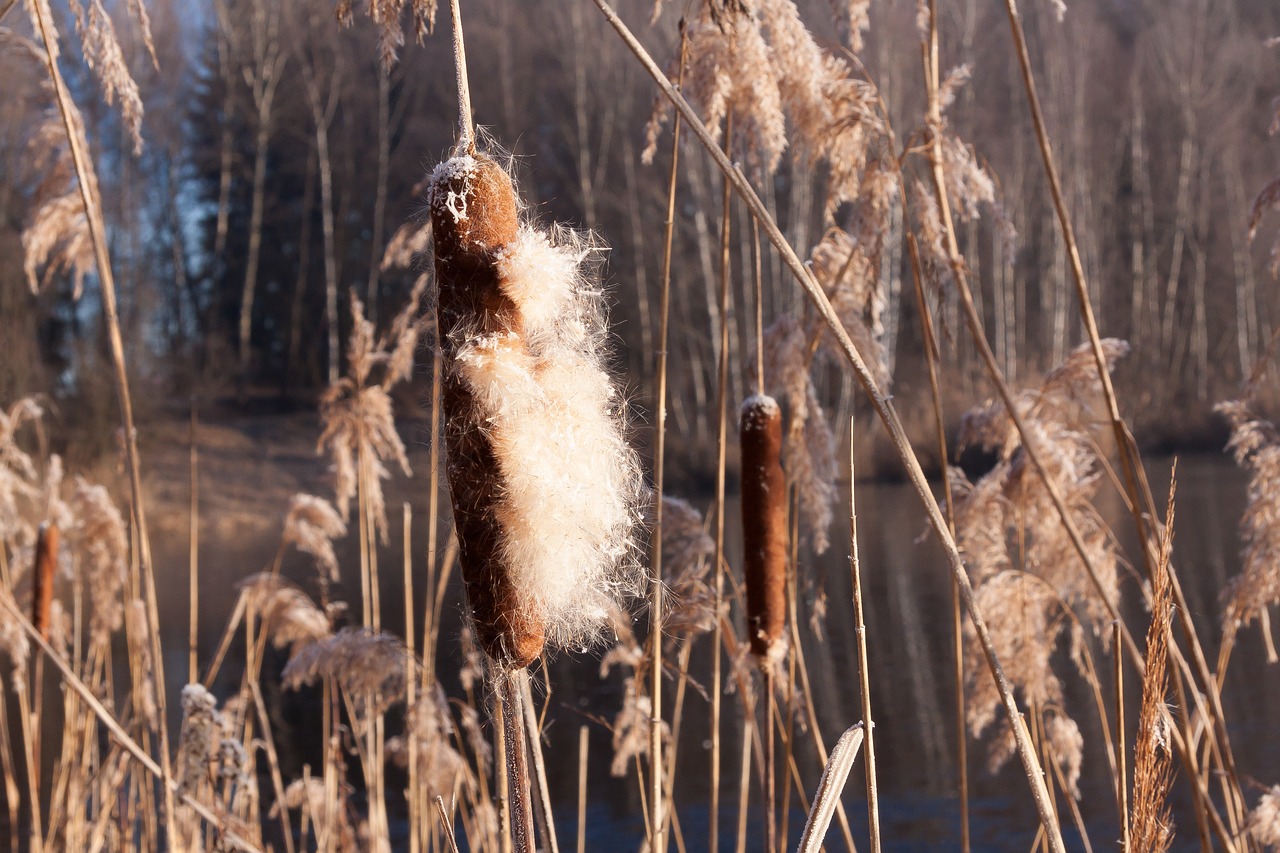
(908, 603)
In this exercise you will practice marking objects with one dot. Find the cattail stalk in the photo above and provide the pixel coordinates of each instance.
(583, 745)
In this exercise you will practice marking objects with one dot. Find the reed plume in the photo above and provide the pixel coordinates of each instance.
(1151, 828)
(544, 486)
(289, 617)
(1255, 444)
(1264, 820)
(311, 525)
(764, 527)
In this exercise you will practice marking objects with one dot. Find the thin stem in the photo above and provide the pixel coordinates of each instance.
(193, 560)
(770, 766)
(957, 616)
(722, 444)
(834, 776)
(410, 682)
(860, 632)
(584, 742)
(1122, 784)
(466, 130)
(655, 583)
(542, 794)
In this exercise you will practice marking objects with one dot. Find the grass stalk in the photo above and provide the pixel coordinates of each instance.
(446, 825)
(834, 776)
(957, 616)
(584, 742)
(770, 768)
(744, 788)
(860, 632)
(1121, 775)
(193, 558)
(415, 816)
(884, 409)
(660, 440)
(722, 444)
(542, 793)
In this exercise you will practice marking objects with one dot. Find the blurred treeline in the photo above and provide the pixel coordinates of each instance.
(280, 160)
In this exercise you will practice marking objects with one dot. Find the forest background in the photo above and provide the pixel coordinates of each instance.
(279, 162)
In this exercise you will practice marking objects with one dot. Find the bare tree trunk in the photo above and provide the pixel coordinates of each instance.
(1246, 289)
(304, 269)
(380, 192)
(264, 76)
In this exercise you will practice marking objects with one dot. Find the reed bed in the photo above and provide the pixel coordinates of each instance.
(552, 507)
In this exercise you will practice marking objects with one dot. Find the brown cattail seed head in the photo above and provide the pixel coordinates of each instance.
(473, 218)
(46, 565)
(764, 526)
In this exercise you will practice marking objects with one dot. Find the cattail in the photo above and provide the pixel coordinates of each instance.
(544, 486)
(46, 564)
(764, 526)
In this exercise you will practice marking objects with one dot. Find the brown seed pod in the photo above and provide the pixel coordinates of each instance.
(473, 218)
(764, 526)
(46, 565)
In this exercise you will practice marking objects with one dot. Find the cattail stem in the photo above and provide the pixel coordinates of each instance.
(1122, 776)
(542, 793)
(770, 777)
(466, 131)
(834, 776)
(193, 559)
(520, 805)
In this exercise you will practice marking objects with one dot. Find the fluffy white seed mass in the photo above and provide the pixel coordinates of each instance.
(571, 485)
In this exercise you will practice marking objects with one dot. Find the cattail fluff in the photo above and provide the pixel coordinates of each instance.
(46, 564)
(764, 526)
(544, 486)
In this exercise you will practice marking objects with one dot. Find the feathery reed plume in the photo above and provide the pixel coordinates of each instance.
(1255, 443)
(14, 643)
(386, 16)
(764, 527)
(289, 617)
(757, 60)
(105, 59)
(46, 564)
(544, 486)
(311, 525)
(370, 668)
(687, 549)
(1151, 828)
(135, 619)
(1264, 820)
(17, 468)
(357, 413)
(99, 539)
(201, 732)
(440, 766)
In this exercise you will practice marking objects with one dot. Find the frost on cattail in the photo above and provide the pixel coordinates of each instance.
(764, 527)
(544, 486)
(311, 525)
(1255, 443)
(289, 617)
(1264, 820)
